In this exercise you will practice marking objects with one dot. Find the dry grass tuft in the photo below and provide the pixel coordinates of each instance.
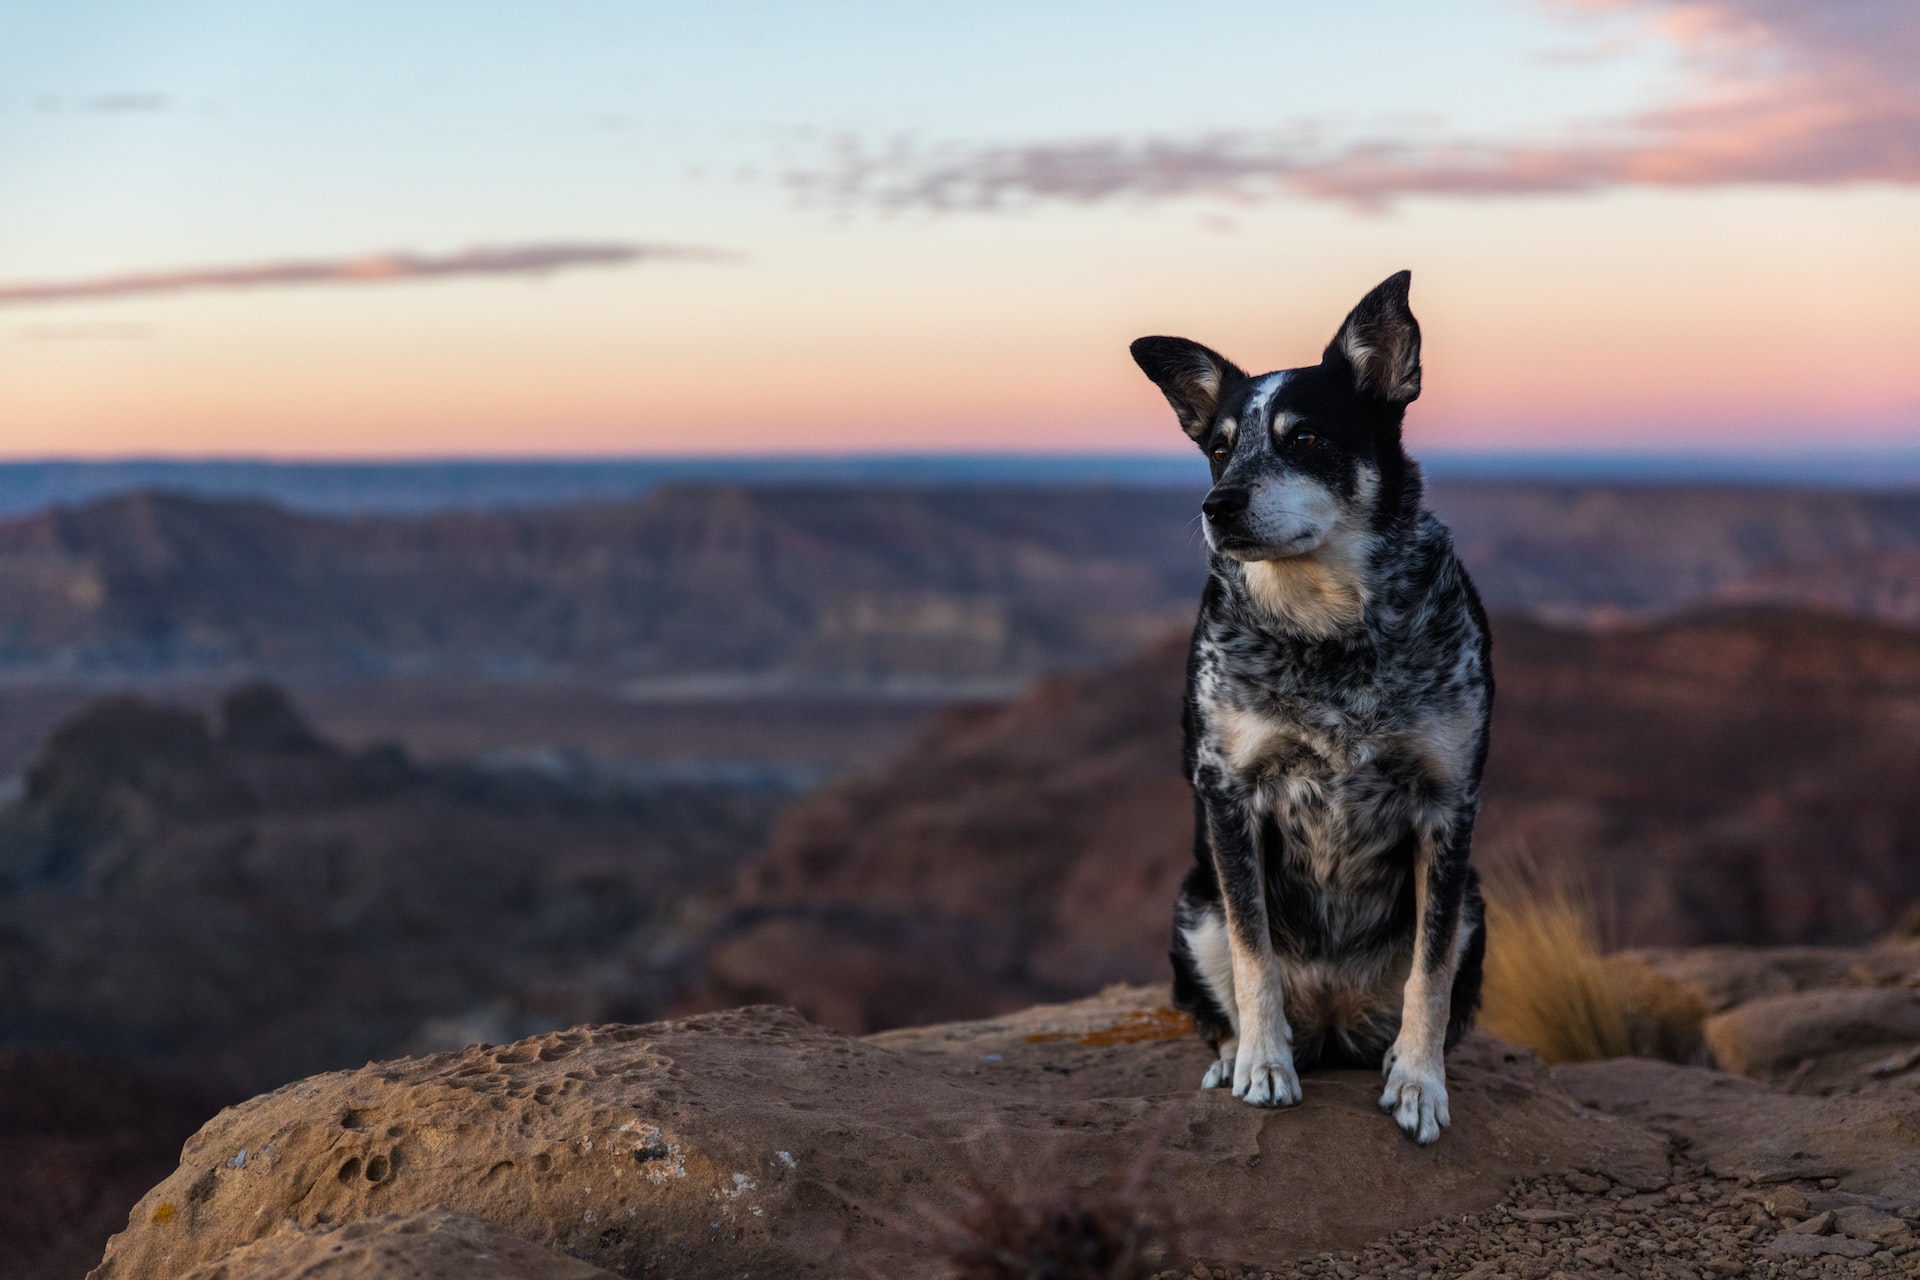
(1666, 1018)
(1548, 984)
(1551, 986)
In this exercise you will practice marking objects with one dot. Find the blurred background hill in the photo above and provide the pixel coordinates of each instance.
(607, 619)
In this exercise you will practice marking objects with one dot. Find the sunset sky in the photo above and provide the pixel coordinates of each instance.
(267, 228)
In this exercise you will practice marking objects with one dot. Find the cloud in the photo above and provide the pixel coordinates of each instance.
(1785, 92)
(385, 268)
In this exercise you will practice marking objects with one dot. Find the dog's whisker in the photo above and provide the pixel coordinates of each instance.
(1196, 529)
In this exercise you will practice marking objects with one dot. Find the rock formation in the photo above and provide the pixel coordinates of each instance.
(753, 1142)
(234, 894)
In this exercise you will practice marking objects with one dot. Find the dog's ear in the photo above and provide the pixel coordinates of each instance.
(1380, 343)
(1189, 375)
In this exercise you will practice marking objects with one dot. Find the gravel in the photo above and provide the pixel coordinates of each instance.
(1579, 1225)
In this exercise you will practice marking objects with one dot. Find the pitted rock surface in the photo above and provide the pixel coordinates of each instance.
(754, 1142)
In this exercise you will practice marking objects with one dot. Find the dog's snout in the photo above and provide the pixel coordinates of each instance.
(1225, 502)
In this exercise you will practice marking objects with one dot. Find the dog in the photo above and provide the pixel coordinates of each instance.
(1338, 692)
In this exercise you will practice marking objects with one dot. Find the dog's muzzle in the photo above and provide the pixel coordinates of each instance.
(1226, 503)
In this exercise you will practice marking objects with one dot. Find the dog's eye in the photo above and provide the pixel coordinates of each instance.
(1305, 439)
(1219, 453)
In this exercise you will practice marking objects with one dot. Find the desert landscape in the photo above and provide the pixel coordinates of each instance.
(595, 601)
(297, 792)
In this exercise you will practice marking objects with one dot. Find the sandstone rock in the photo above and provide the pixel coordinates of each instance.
(423, 1246)
(1821, 1201)
(1798, 1246)
(1543, 1215)
(754, 1141)
(1786, 1202)
(1819, 1224)
(1814, 1036)
(1741, 1128)
(1727, 976)
(1863, 1223)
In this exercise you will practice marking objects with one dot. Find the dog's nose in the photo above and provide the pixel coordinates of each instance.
(1225, 502)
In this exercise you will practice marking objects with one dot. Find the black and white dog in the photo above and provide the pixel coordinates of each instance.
(1338, 691)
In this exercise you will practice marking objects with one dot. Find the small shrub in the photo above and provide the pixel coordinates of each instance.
(1551, 986)
(1548, 984)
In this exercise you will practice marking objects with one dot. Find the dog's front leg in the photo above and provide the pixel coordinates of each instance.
(1415, 1066)
(1263, 1071)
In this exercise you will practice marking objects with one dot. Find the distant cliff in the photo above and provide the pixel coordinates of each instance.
(832, 587)
(236, 895)
(824, 585)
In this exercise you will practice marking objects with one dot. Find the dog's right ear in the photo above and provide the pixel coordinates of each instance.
(1189, 376)
(1379, 343)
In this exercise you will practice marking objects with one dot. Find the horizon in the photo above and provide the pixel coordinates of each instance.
(425, 485)
(1634, 225)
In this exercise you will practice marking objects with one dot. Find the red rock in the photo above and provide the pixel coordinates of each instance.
(1837, 1030)
(754, 1142)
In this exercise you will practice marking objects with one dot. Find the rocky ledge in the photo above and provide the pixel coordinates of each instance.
(752, 1142)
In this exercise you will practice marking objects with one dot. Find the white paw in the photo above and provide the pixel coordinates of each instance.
(1416, 1096)
(1220, 1074)
(1266, 1077)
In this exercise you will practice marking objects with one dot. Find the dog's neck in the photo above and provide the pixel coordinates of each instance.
(1326, 592)
(1316, 595)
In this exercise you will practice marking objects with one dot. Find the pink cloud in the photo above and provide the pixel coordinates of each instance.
(1788, 92)
(520, 260)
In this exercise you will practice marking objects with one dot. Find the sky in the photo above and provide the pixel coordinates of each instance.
(264, 228)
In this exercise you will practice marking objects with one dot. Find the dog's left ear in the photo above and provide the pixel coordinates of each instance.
(1380, 342)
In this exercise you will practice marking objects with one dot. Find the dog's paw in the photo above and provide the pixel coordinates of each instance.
(1417, 1097)
(1220, 1074)
(1266, 1079)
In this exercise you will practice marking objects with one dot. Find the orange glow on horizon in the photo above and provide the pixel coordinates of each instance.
(1670, 322)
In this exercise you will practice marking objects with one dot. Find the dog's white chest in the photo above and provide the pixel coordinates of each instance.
(1338, 789)
(1252, 744)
